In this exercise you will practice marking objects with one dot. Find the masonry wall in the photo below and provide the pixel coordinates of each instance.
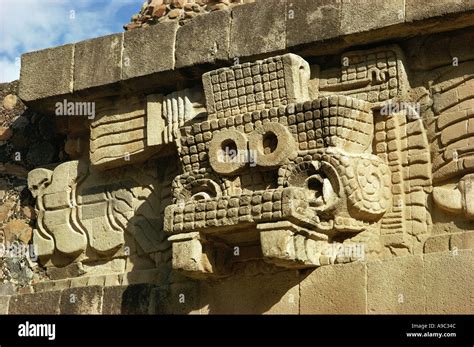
(435, 283)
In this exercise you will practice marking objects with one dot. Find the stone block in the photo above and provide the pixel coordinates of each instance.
(83, 300)
(68, 271)
(4, 300)
(178, 299)
(35, 304)
(258, 28)
(97, 62)
(276, 293)
(149, 50)
(365, 15)
(205, 39)
(417, 10)
(464, 240)
(132, 299)
(112, 300)
(6, 289)
(438, 243)
(334, 289)
(449, 279)
(312, 20)
(46, 73)
(395, 286)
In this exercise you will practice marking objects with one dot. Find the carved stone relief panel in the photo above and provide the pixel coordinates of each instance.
(274, 161)
(453, 139)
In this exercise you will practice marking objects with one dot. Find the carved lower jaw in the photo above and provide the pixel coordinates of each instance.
(288, 231)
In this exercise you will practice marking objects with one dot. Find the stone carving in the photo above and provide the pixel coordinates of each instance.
(375, 75)
(452, 139)
(281, 162)
(379, 76)
(315, 157)
(84, 215)
(255, 86)
(133, 130)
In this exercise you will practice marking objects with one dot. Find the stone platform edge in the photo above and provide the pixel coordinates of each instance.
(145, 59)
(434, 283)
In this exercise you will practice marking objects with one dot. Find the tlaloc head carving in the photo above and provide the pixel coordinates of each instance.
(270, 169)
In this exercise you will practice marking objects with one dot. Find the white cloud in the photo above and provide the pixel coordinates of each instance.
(29, 25)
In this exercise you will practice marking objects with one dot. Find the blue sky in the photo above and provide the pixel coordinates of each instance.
(29, 25)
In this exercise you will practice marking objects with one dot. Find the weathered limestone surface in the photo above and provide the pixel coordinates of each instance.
(105, 54)
(416, 10)
(85, 300)
(203, 40)
(266, 35)
(308, 19)
(271, 293)
(4, 301)
(38, 303)
(450, 291)
(149, 51)
(365, 15)
(231, 166)
(46, 73)
(319, 288)
(396, 286)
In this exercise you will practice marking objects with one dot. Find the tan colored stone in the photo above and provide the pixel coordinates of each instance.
(5, 210)
(448, 281)
(396, 286)
(276, 293)
(29, 212)
(463, 240)
(9, 101)
(18, 229)
(438, 243)
(270, 32)
(318, 173)
(46, 73)
(35, 304)
(364, 15)
(336, 289)
(4, 300)
(175, 13)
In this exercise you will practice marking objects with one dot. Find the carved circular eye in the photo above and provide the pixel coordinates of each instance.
(271, 145)
(197, 190)
(228, 152)
(270, 142)
(318, 180)
(229, 149)
(201, 196)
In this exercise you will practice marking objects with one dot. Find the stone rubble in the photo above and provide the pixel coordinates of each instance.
(27, 140)
(158, 11)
